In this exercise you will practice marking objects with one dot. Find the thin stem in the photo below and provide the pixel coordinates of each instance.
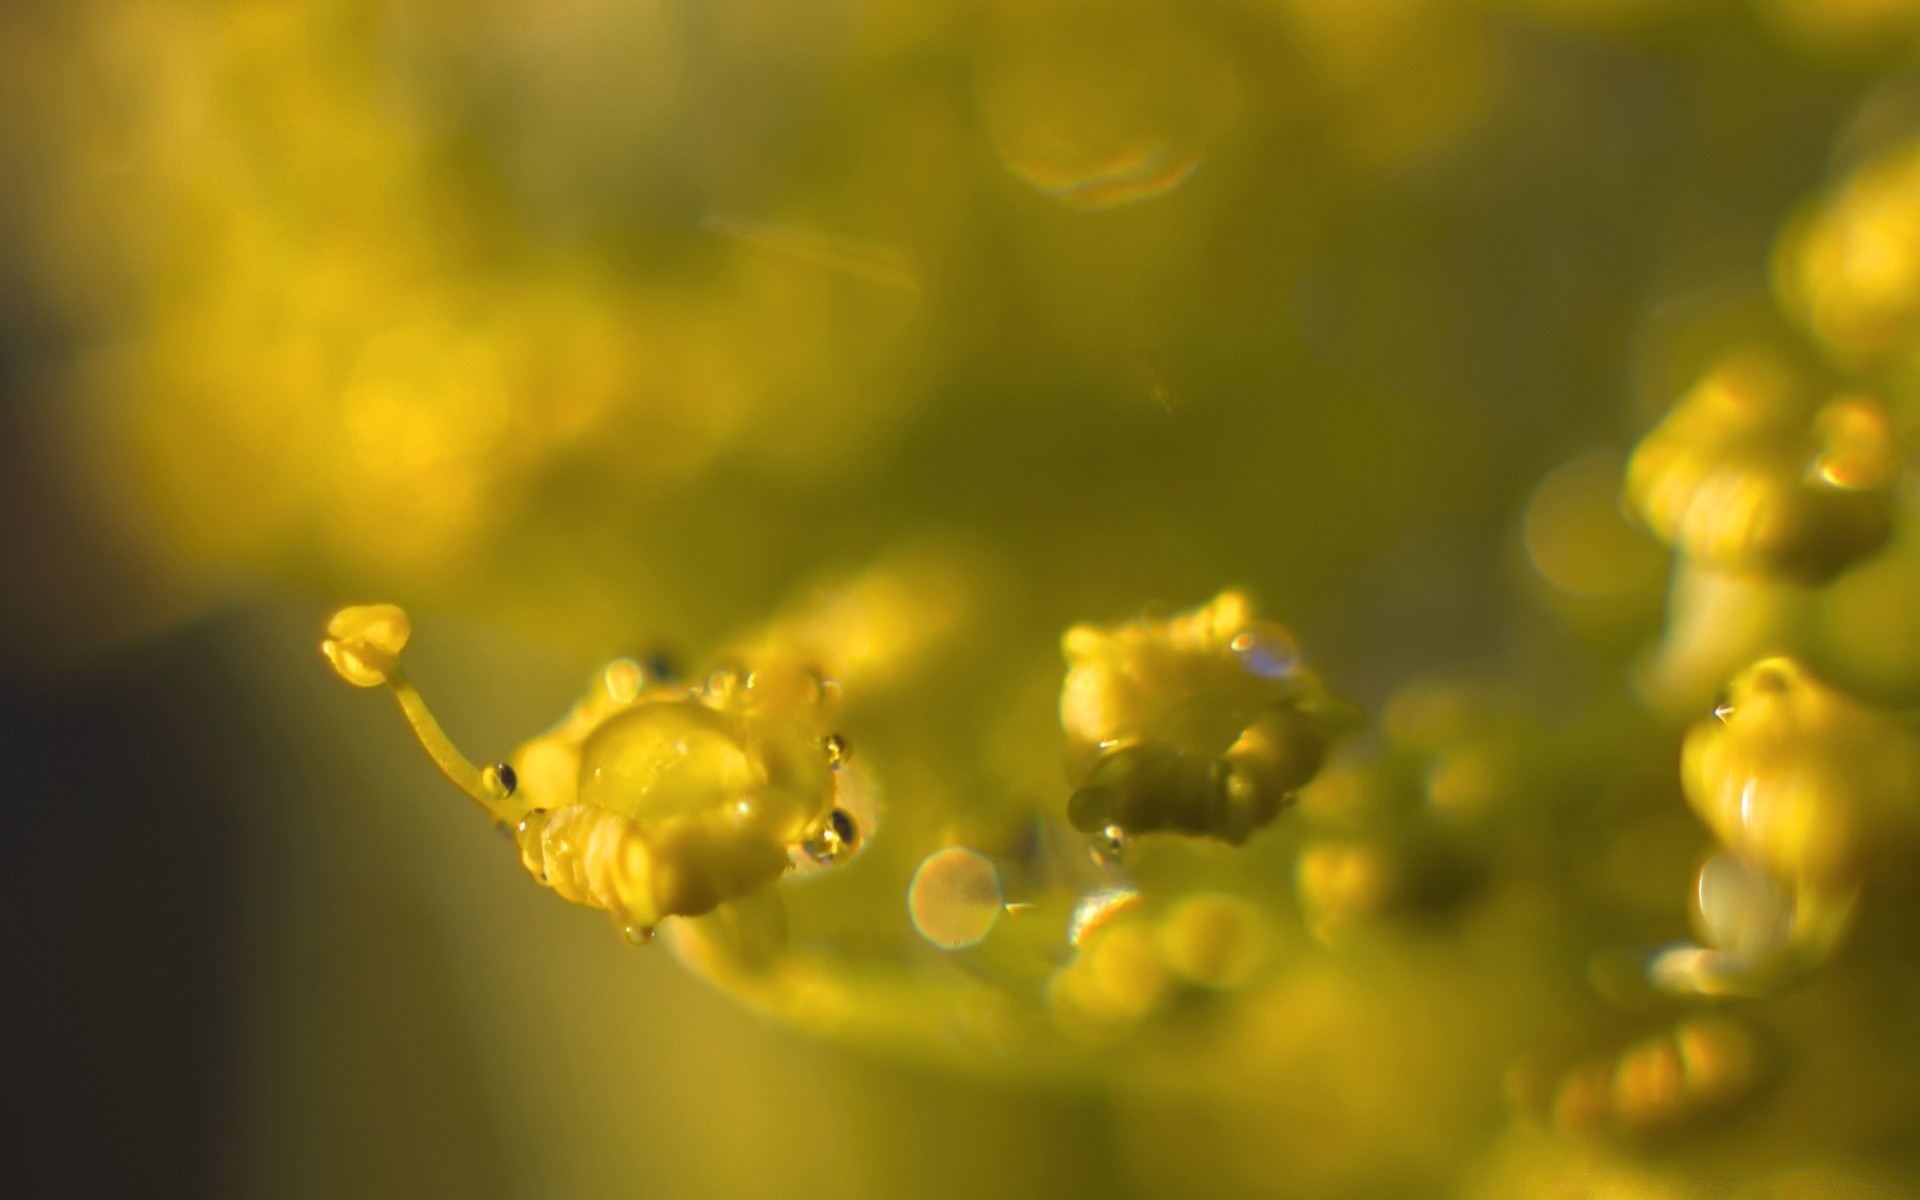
(483, 786)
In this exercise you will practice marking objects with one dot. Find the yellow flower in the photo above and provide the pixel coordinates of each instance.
(1206, 723)
(1747, 474)
(1804, 779)
(652, 799)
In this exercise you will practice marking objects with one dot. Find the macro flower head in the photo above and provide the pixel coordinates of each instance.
(1239, 599)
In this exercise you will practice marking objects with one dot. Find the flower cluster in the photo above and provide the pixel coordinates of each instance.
(914, 373)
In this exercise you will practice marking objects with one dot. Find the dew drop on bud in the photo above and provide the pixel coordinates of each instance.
(1110, 845)
(722, 683)
(499, 780)
(1266, 657)
(624, 680)
(836, 838)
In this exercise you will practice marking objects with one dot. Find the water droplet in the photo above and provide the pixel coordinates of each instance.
(499, 780)
(637, 935)
(1110, 845)
(1577, 539)
(1266, 657)
(837, 838)
(837, 750)
(624, 679)
(722, 683)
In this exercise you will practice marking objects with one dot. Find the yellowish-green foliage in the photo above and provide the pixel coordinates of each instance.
(1338, 578)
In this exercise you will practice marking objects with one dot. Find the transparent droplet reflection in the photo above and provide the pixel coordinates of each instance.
(1265, 656)
(1109, 846)
(1096, 110)
(837, 838)
(624, 679)
(1740, 910)
(499, 781)
(955, 898)
(1096, 909)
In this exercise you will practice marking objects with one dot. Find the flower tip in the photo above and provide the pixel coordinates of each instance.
(364, 642)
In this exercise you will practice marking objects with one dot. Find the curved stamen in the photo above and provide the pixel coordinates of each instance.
(363, 643)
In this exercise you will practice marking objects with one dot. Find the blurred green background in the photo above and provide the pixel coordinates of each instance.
(590, 327)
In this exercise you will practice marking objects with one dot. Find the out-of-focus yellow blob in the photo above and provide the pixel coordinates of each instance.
(1739, 909)
(1748, 474)
(1851, 267)
(1097, 106)
(1842, 26)
(1205, 723)
(955, 898)
(1662, 1085)
(1717, 623)
(349, 354)
(1649, 1085)
(869, 631)
(1342, 883)
(1398, 79)
(738, 945)
(1601, 14)
(1720, 1060)
(1583, 1103)
(1426, 714)
(1339, 795)
(1464, 781)
(1857, 447)
(1126, 967)
(1760, 933)
(1215, 940)
(1577, 538)
(1804, 779)
(1865, 622)
(1116, 978)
